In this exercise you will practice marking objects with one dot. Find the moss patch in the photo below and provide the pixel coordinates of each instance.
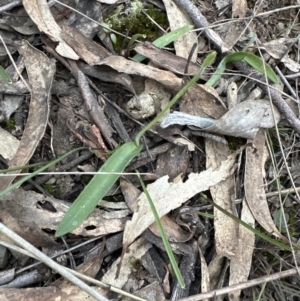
(129, 20)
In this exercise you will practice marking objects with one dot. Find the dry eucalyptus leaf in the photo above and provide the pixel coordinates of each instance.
(40, 70)
(86, 48)
(169, 196)
(222, 193)
(178, 18)
(8, 146)
(47, 213)
(240, 263)
(40, 14)
(166, 78)
(166, 59)
(254, 184)
(172, 229)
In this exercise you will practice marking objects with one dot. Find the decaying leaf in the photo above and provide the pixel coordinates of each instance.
(201, 100)
(166, 59)
(166, 78)
(243, 120)
(172, 229)
(169, 196)
(254, 184)
(40, 70)
(101, 222)
(240, 263)
(222, 194)
(40, 14)
(9, 144)
(86, 48)
(277, 49)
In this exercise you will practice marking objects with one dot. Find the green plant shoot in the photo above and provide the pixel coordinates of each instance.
(163, 234)
(252, 59)
(101, 183)
(166, 39)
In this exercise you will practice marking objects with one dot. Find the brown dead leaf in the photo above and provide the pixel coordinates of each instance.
(40, 14)
(169, 196)
(240, 263)
(86, 48)
(222, 194)
(101, 222)
(166, 59)
(40, 70)
(166, 78)
(254, 184)
(202, 101)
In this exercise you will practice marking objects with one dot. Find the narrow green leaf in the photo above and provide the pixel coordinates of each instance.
(166, 39)
(97, 188)
(4, 75)
(163, 235)
(253, 60)
(273, 241)
(46, 166)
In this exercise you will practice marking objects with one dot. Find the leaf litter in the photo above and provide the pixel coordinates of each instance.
(28, 213)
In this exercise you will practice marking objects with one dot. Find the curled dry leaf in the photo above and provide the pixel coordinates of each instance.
(40, 70)
(244, 120)
(169, 196)
(40, 14)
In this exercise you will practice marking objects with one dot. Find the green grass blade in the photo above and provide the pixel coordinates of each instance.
(26, 178)
(166, 39)
(163, 235)
(97, 188)
(253, 60)
(263, 236)
(4, 75)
